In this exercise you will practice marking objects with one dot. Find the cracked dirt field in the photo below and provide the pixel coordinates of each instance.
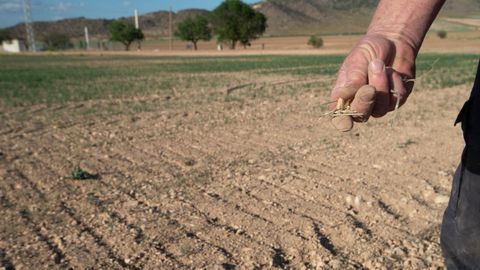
(258, 184)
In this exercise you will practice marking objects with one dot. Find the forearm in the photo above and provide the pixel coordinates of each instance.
(405, 20)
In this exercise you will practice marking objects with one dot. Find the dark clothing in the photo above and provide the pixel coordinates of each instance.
(460, 238)
(470, 118)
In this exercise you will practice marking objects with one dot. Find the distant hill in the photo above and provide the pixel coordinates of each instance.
(153, 24)
(316, 16)
(302, 17)
(285, 17)
(461, 8)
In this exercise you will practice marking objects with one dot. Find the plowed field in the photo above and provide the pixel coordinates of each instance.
(192, 176)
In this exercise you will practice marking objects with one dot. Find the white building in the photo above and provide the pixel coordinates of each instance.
(13, 46)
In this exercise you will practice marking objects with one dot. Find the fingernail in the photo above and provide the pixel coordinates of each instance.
(377, 66)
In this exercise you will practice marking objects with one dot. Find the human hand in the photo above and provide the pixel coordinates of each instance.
(387, 64)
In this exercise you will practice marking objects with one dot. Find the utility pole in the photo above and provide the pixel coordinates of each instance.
(170, 28)
(136, 19)
(27, 10)
(137, 26)
(87, 39)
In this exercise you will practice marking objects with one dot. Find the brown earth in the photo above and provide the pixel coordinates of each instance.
(262, 184)
(469, 22)
(464, 42)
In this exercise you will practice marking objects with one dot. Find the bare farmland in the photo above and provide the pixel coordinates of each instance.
(191, 176)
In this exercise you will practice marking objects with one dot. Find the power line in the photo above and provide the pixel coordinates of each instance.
(29, 25)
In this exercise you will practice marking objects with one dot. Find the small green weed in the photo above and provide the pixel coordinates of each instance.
(80, 174)
(406, 143)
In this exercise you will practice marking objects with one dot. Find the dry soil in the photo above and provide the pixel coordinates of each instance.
(258, 185)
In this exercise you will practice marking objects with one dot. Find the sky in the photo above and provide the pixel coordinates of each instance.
(11, 11)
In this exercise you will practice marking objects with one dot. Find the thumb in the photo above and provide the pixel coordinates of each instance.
(343, 123)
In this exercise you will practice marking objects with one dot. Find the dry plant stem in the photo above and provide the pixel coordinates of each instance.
(342, 109)
(397, 106)
(340, 104)
(175, 93)
(426, 73)
(238, 87)
(328, 103)
(231, 89)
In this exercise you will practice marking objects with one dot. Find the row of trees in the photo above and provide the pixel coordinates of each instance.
(232, 21)
(119, 31)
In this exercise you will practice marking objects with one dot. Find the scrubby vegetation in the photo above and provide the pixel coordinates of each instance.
(315, 42)
(442, 34)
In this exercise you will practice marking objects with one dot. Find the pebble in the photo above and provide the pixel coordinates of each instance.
(131, 203)
(172, 194)
(443, 173)
(335, 264)
(414, 263)
(349, 200)
(398, 252)
(357, 201)
(441, 199)
(317, 262)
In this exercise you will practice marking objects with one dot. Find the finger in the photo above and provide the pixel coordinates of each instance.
(364, 102)
(346, 92)
(341, 80)
(377, 77)
(399, 89)
(356, 78)
(350, 78)
(343, 123)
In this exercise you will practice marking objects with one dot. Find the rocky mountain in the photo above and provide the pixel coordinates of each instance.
(316, 16)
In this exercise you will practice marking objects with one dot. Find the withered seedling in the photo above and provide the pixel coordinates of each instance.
(342, 109)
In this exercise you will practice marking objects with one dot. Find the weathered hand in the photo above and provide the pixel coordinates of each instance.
(387, 64)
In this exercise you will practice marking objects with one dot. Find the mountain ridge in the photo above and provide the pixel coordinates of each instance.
(285, 17)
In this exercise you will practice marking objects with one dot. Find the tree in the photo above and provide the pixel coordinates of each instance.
(125, 33)
(194, 30)
(57, 41)
(234, 21)
(442, 34)
(4, 35)
(316, 42)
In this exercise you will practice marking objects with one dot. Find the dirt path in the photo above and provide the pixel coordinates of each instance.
(264, 184)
